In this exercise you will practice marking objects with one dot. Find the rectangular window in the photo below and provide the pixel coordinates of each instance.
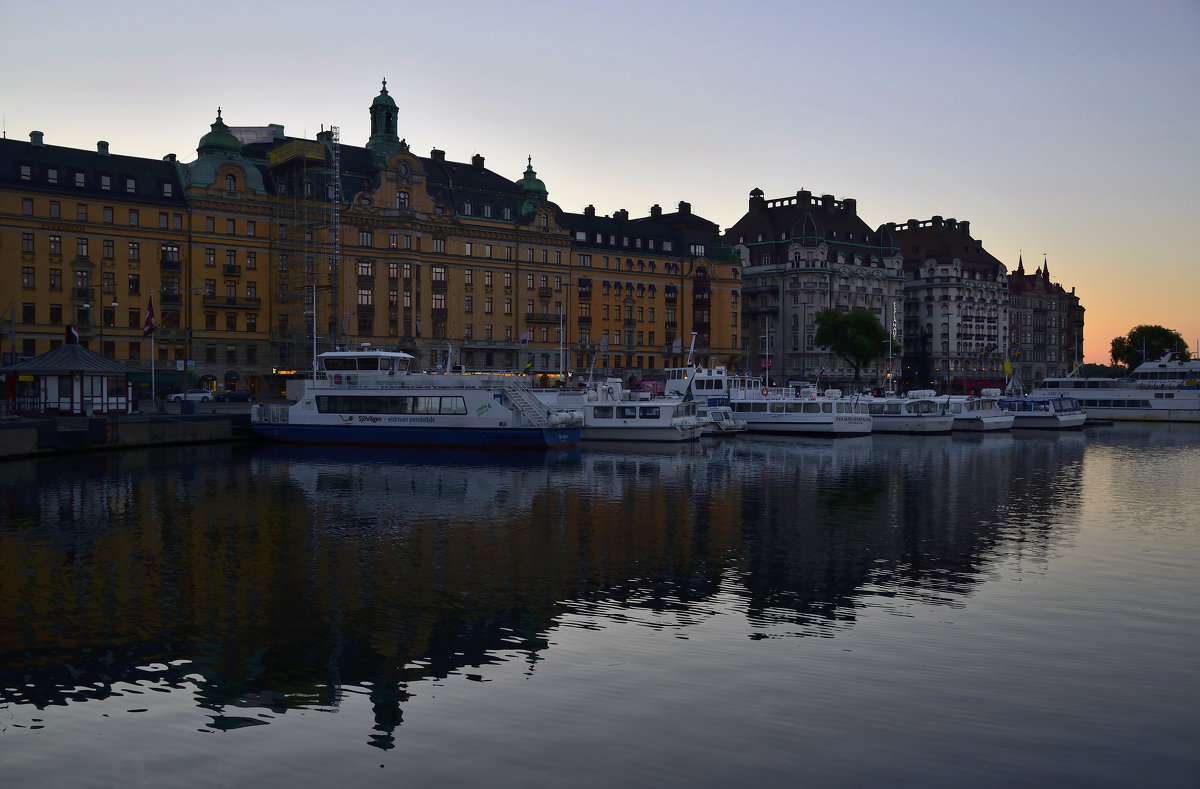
(135, 286)
(468, 276)
(250, 227)
(467, 249)
(56, 314)
(27, 206)
(230, 226)
(469, 304)
(108, 215)
(364, 238)
(168, 189)
(106, 182)
(133, 217)
(231, 257)
(439, 245)
(210, 257)
(231, 321)
(55, 209)
(81, 247)
(163, 220)
(252, 261)
(27, 280)
(177, 221)
(56, 279)
(135, 252)
(81, 212)
(130, 185)
(108, 249)
(52, 175)
(27, 242)
(26, 172)
(210, 224)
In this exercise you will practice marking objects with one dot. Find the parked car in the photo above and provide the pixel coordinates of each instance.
(235, 396)
(192, 395)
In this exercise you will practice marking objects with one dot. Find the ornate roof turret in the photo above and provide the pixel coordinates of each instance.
(219, 141)
(384, 140)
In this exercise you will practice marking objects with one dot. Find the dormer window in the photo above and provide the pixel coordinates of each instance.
(230, 183)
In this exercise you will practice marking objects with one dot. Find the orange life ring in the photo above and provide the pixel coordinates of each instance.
(765, 391)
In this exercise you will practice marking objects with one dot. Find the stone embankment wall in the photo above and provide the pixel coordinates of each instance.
(23, 438)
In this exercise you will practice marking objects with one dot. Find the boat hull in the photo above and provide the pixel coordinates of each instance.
(421, 436)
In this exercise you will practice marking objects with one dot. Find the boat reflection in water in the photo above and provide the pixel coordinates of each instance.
(247, 584)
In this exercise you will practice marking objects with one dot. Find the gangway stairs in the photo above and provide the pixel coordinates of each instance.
(526, 401)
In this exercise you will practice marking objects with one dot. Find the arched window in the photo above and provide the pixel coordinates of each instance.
(230, 183)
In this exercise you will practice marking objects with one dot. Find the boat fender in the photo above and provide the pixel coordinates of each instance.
(765, 391)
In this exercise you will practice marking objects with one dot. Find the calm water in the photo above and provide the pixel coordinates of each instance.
(885, 611)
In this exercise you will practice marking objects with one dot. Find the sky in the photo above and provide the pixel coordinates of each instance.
(1065, 132)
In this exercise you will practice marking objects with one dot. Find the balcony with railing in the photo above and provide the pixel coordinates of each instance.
(232, 270)
(542, 317)
(244, 302)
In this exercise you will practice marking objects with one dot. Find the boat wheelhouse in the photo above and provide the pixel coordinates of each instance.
(609, 412)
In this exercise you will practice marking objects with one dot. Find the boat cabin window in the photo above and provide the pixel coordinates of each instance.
(649, 412)
(627, 412)
(391, 404)
(602, 412)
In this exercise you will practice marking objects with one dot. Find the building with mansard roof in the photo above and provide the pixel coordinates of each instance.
(650, 289)
(956, 308)
(803, 254)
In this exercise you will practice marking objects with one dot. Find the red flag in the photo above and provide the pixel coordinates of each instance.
(148, 327)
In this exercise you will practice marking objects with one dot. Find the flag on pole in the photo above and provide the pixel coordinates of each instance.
(529, 364)
(71, 336)
(604, 344)
(677, 346)
(148, 326)
(525, 338)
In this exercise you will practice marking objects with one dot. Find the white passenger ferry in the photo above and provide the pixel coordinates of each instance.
(1164, 390)
(369, 397)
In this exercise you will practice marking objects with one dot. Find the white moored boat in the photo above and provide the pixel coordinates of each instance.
(1056, 412)
(918, 412)
(1164, 390)
(709, 388)
(611, 413)
(980, 412)
(369, 397)
(783, 409)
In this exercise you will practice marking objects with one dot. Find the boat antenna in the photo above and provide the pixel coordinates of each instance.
(691, 350)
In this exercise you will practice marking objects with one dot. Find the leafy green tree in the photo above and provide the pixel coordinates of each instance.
(856, 336)
(1144, 343)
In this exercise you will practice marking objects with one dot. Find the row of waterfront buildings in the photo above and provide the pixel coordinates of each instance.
(266, 246)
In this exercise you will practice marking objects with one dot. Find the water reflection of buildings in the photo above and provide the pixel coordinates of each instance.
(283, 578)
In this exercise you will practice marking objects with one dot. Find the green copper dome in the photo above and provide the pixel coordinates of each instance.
(219, 140)
(383, 99)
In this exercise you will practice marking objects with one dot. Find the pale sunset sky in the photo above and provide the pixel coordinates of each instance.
(1063, 131)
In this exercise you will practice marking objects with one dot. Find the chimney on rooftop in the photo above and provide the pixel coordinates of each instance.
(35, 138)
(656, 211)
(437, 155)
(477, 161)
(589, 211)
(684, 207)
(102, 148)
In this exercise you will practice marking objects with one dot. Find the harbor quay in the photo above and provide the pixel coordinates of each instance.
(22, 437)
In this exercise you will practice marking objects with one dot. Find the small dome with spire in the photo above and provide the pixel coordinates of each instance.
(219, 140)
(531, 183)
(383, 99)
